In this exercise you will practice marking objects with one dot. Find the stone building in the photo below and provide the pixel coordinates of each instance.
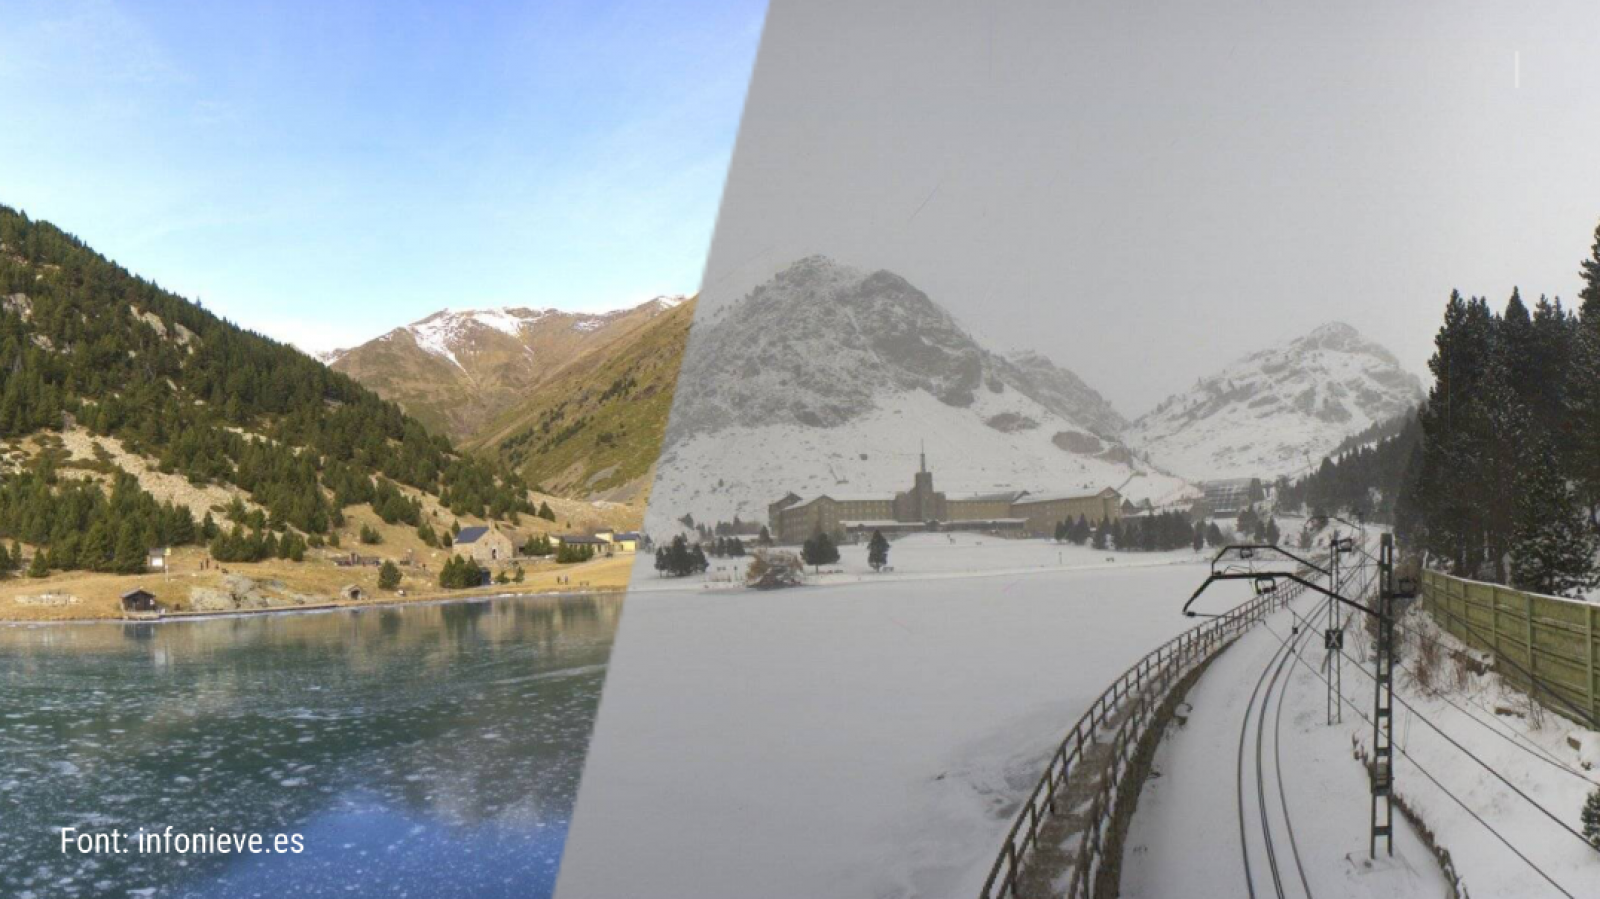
(1044, 510)
(487, 546)
(793, 518)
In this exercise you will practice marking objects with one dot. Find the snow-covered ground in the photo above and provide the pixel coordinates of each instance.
(717, 475)
(1326, 786)
(867, 738)
(943, 556)
(1530, 751)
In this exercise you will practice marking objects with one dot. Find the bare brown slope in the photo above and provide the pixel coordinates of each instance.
(595, 430)
(456, 372)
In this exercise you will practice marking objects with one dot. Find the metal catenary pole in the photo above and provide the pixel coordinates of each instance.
(1333, 641)
(1383, 706)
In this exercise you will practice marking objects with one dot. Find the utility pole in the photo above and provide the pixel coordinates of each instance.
(1383, 706)
(1333, 642)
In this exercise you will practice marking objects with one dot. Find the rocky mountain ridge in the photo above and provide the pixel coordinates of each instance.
(457, 370)
(1277, 411)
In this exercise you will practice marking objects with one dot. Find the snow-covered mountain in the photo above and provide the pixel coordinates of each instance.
(1278, 411)
(457, 369)
(830, 379)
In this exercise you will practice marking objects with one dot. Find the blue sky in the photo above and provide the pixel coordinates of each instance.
(326, 171)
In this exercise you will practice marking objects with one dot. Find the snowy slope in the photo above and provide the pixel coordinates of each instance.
(828, 378)
(1278, 411)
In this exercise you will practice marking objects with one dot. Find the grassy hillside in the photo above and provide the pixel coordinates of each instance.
(180, 417)
(427, 387)
(596, 429)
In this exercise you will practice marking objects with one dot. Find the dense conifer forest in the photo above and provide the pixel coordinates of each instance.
(1362, 480)
(84, 342)
(1498, 475)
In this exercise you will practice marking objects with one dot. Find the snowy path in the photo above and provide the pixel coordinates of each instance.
(1254, 795)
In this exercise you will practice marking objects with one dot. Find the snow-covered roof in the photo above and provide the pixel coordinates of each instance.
(840, 498)
(1004, 496)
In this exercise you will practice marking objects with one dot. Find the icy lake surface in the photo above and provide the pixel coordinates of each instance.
(870, 735)
(419, 751)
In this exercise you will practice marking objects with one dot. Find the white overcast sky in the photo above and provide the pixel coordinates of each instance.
(1145, 190)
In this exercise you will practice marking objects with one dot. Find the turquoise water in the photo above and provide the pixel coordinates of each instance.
(427, 751)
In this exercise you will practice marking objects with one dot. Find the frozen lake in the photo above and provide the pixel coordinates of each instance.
(869, 738)
(418, 750)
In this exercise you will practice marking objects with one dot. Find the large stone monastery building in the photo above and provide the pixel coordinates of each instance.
(793, 518)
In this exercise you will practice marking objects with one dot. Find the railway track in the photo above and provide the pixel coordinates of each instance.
(1264, 713)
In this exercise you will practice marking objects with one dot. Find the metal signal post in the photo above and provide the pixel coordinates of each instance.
(1382, 771)
(1333, 641)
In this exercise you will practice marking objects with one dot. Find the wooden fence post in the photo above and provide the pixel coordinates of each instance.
(1588, 653)
(1533, 661)
(1494, 622)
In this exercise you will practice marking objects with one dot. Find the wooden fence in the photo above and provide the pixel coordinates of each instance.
(1545, 645)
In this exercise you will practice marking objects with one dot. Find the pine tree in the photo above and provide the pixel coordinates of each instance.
(1214, 535)
(1081, 531)
(1583, 394)
(1247, 522)
(1553, 548)
(878, 550)
(388, 576)
(1548, 359)
(1589, 270)
(1590, 818)
(1459, 468)
(1502, 446)
(819, 551)
(39, 567)
(546, 512)
(1517, 343)
(130, 551)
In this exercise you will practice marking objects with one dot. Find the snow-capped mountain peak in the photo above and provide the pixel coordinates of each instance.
(459, 368)
(1278, 411)
(828, 378)
(450, 332)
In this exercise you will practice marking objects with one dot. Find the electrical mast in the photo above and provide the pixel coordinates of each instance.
(1383, 705)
